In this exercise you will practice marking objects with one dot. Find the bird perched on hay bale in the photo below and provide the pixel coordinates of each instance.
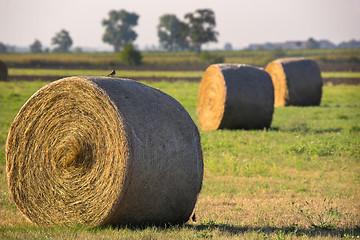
(112, 73)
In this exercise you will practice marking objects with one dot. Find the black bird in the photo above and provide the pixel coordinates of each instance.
(193, 217)
(112, 73)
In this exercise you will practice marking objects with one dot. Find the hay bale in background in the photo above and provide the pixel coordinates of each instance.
(3, 71)
(235, 96)
(297, 82)
(95, 151)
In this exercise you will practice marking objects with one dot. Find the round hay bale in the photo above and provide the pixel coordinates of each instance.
(3, 71)
(297, 82)
(235, 96)
(103, 151)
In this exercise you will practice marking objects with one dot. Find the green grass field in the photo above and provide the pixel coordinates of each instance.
(128, 73)
(298, 180)
(109, 59)
(88, 72)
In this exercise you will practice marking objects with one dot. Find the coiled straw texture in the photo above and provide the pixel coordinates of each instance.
(297, 82)
(96, 151)
(235, 96)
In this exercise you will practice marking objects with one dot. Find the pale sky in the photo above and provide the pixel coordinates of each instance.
(239, 22)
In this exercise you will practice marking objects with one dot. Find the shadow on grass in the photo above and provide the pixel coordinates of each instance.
(329, 130)
(299, 130)
(209, 226)
(267, 230)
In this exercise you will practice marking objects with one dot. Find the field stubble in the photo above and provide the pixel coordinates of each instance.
(298, 179)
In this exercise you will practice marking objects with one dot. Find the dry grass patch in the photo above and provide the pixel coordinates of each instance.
(302, 213)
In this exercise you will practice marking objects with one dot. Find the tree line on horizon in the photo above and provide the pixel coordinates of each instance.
(174, 34)
(197, 29)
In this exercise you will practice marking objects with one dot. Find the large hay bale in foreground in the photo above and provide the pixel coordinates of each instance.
(235, 96)
(297, 82)
(3, 71)
(96, 151)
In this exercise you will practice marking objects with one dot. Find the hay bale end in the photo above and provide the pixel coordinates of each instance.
(103, 151)
(297, 82)
(235, 96)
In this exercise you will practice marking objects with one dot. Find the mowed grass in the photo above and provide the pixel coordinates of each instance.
(300, 179)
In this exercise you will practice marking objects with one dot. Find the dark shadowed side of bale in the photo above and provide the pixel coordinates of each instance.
(96, 151)
(168, 167)
(235, 96)
(3, 71)
(297, 82)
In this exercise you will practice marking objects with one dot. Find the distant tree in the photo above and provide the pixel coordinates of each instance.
(268, 46)
(312, 44)
(350, 44)
(278, 53)
(3, 48)
(63, 41)
(78, 50)
(201, 27)
(228, 47)
(210, 58)
(36, 47)
(119, 28)
(130, 56)
(298, 44)
(172, 33)
(353, 44)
